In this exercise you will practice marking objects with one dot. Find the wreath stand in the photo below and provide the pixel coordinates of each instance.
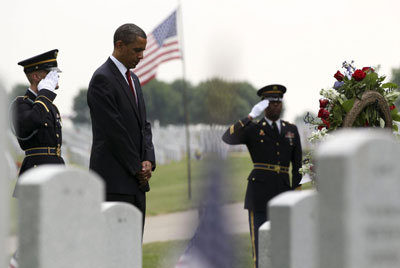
(369, 97)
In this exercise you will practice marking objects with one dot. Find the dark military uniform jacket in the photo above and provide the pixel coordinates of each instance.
(37, 125)
(271, 156)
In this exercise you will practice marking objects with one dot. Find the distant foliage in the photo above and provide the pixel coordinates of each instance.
(17, 90)
(81, 109)
(396, 79)
(214, 101)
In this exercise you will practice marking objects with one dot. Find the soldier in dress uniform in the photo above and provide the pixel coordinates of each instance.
(273, 145)
(36, 121)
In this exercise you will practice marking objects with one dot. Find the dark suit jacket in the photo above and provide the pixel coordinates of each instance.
(122, 137)
(266, 148)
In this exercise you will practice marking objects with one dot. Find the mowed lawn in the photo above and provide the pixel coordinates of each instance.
(169, 183)
(166, 254)
(169, 193)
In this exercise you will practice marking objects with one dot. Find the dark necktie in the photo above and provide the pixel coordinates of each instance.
(128, 77)
(275, 129)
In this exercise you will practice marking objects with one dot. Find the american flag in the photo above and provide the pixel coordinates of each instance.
(162, 46)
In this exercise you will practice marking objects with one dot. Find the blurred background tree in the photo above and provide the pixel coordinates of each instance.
(80, 108)
(17, 90)
(396, 79)
(214, 101)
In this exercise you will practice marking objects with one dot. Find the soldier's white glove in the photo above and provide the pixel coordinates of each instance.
(259, 108)
(50, 82)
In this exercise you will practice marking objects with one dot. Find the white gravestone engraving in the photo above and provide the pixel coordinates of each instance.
(123, 235)
(60, 218)
(293, 217)
(358, 175)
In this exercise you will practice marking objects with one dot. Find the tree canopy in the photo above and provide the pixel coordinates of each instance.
(214, 101)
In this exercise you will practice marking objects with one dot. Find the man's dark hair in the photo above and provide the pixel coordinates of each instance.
(127, 33)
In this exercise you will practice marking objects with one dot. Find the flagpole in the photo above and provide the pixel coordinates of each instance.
(185, 102)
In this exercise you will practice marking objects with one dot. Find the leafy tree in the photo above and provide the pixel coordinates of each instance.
(81, 109)
(214, 101)
(396, 76)
(396, 79)
(223, 102)
(163, 102)
(179, 86)
(17, 90)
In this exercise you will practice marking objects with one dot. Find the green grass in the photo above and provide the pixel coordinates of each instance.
(169, 184)
(166, 254)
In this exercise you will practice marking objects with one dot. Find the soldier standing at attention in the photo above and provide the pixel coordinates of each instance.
(36, 120)
(273, 145)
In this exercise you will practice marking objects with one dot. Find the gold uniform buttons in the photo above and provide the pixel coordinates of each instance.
(34, 165)
(264, 123)
(261, 141)
(57, 135)
(253, 179)
(45, 124)
(277, 144)
(277, 153)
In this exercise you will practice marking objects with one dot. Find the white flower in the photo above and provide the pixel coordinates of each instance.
(305, 169)
(329, 93)
(318, 135)
(392, 96)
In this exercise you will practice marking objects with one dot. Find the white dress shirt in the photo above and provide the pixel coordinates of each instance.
(278, 123)
(123, 70)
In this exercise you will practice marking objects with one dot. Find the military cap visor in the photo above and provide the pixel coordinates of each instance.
(45, 61)
(272, 92)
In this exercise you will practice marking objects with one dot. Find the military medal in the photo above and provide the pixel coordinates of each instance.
(262, 133)
(290, 135)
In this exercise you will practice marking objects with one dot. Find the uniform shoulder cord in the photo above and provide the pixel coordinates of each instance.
(11, 121)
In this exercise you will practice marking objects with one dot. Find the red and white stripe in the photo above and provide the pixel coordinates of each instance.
(154, 55)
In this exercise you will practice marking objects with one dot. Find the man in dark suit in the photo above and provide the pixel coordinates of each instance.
(122, 150)
(273, 145)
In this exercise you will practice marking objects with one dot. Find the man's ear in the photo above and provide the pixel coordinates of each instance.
(119, 44)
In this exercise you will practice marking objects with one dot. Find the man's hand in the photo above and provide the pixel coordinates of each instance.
(144, 174)
(50, 82)
(258, 108)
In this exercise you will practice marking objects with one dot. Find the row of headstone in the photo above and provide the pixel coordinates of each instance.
(354, 218)
(64, 223)
(169, 141)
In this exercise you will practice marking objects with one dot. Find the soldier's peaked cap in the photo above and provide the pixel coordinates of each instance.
(45, 61)
(272, 91)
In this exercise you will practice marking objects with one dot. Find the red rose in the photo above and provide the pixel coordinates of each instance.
(359, 75)
(326, 122)
(323, 103)
(323, 113)
(321, 127)
(339, 76)
(367, 69)
(392, 107)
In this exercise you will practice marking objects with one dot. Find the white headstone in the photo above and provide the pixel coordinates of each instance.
(60, 218)
(358, 175)
(123, 235)
(264, 245)
(293, 229)
(4, 188)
